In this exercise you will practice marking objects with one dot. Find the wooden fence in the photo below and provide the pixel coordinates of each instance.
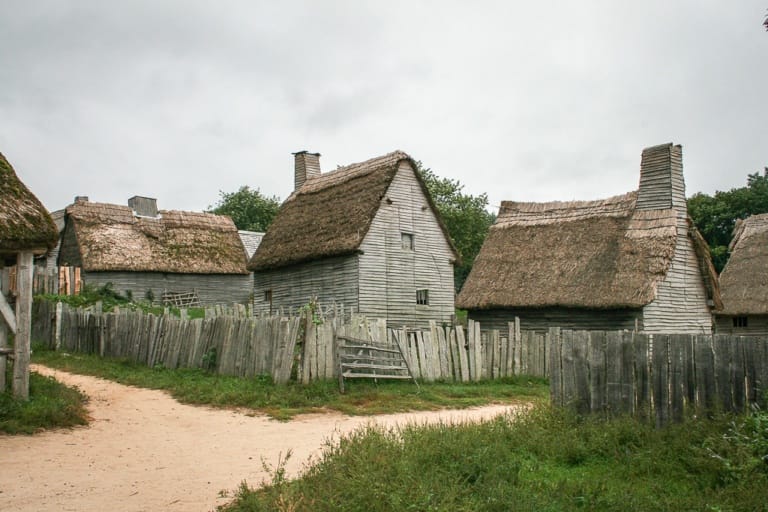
(233, 343)
(660, 377)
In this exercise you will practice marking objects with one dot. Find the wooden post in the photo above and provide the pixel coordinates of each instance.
(3, 328)
(23, 326)
(57, 327)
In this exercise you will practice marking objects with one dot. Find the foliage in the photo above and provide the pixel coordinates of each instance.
(544, 459)
(110, 299)
(715, 216)
(466, 217)
(50, 405)
(249, 209)
(198, 386)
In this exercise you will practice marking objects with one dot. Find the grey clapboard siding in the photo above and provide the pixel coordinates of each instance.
(390, 275)
(332, 281)
(211, 288)
(680, 305)
(381, 281)
(540, 320)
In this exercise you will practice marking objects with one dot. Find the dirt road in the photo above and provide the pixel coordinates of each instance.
(144, 451)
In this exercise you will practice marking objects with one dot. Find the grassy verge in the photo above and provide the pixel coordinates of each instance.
(283, 402)
(545, 460)
(51, 405)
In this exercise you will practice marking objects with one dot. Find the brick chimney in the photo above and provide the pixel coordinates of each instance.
(661, 178)
(306, 166)
(143, 206)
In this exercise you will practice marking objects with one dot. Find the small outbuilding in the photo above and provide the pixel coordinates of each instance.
(180, 257)
(366, 236)
(744, 280)
(26, 230)
(633, 261)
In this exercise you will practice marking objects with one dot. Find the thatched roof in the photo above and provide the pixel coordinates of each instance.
(24, 222)
(744, 280)
(331, 214)
(110, 238)
(602, 254)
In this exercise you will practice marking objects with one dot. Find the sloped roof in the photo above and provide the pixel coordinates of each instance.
(110, 238)
(582, 254)
(24, 222)
(744, 280)
(331, 214)
(251, 241)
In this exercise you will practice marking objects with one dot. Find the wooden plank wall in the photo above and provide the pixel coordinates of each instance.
(661, 377)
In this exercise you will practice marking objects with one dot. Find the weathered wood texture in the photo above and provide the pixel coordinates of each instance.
(381, 279)
(330, 281)
(756, 325)
(542, 319)
(659, 377)
(390, 274)
(22, 340)
(210, 288)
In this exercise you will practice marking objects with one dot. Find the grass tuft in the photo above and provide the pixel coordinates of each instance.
(50, 405)
(544, 459)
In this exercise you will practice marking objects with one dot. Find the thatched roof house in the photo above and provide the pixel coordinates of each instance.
(626, 261)
(140, 248)
(356, 236)
(744, 280)
(25, 224)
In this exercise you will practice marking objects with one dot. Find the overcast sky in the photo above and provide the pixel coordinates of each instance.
(526, 101)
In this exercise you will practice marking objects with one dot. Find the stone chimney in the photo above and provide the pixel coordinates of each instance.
(306, 166)
(661, 178)
(143, 206)
(81, 199)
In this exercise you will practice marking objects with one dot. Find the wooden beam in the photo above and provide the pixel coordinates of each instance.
(23, 325)
(7, 312)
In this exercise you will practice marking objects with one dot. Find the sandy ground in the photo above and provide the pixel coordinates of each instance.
(145, 451)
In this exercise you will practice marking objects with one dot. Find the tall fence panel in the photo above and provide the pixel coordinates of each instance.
(661, 377)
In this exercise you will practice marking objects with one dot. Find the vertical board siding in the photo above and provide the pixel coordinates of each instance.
(210, 288)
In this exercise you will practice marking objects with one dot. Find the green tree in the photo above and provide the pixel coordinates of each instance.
(249, 209)
(715, 216)
(465, 217)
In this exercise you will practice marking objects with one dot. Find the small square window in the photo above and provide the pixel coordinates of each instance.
(407, 241)
(740, 321)
(268, 295)
(422, 297)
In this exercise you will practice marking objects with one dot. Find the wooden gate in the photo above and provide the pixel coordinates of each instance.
(364, 359)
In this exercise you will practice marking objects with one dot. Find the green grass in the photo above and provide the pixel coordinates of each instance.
(50, 405)
(545, 460)
(283, 402)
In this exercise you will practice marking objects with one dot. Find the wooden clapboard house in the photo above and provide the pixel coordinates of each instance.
(180, 257)
(26, 230)
(633, 261)
(366, 236)
(744, 280)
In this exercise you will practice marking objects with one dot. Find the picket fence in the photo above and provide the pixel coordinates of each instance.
(297, 347)
(659, 377)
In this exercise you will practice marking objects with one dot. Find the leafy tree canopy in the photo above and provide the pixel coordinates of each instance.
(715, 216)
(465, 217)
(249, 209)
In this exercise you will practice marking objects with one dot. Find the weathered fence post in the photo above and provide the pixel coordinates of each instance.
(23, 324)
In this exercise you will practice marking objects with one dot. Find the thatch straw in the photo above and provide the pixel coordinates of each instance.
(331, 214)
(107, 237)
(744, 280)
(24, 222)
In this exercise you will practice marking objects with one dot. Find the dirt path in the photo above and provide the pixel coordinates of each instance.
(145, 451)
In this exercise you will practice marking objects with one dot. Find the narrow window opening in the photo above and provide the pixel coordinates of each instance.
(268, 299)
(740, 321)
(407, 241)
(422, 297)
